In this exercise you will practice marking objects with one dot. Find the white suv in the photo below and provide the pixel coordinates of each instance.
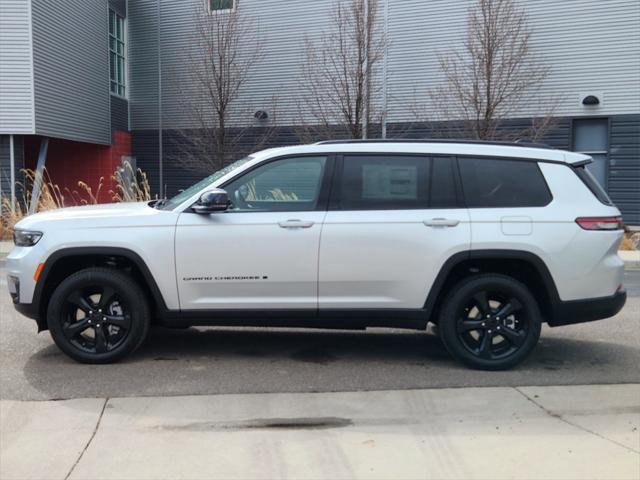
(485, 240)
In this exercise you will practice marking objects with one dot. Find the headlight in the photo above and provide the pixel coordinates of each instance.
(26, 238)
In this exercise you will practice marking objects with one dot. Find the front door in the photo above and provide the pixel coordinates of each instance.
(396, 220)
(262, 253)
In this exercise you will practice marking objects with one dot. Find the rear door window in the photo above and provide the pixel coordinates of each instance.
(488, 183)
(396, 182)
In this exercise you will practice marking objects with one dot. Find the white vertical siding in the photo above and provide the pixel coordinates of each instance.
(16, 74)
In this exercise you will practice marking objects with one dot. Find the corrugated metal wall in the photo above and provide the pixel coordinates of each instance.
(5, 164)
(142, 19)
(592, 47)
(16, 75)
(624, 166)
(71, 70)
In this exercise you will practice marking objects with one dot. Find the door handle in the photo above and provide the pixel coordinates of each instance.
(295, 224)
(441, 222)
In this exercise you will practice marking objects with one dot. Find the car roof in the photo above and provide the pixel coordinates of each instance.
(431, 147)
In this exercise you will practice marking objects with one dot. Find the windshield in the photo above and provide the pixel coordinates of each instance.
(193, 189)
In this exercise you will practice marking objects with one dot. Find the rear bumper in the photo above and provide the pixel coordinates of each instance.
(580, 311)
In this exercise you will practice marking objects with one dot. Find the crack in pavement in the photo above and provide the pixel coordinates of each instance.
(575, 425)
(93, 434)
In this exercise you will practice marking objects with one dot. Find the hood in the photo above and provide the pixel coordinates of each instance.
(113, 214)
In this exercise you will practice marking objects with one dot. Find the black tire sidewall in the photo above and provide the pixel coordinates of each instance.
(461, 294)
(126, 288)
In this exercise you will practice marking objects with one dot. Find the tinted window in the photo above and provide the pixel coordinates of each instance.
(589, 180)
(443, 187)
(503, 183)
(291, 184)
(384, 182)
(396, 182)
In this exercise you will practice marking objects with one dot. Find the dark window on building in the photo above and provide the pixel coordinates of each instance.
(503, 183)
(391, 182)
(591, 137)
(117, 62)
(217, 5)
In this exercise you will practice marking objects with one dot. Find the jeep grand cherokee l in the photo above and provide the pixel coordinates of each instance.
(486, 240)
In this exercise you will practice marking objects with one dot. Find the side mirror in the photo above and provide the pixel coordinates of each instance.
(212, 201)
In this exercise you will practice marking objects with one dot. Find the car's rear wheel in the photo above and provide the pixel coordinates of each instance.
(490, 322)
(98, 315)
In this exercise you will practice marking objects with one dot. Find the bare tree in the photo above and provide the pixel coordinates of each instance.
(340, 73)
(226, 47)
(492, 77)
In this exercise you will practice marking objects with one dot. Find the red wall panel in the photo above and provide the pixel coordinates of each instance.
(70, 162)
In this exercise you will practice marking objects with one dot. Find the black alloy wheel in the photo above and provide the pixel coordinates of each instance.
(490, 322)
(98, 315)
(96, 319)
(492, 325)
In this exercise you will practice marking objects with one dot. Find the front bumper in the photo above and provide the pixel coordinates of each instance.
(28, 310)
(580, 311)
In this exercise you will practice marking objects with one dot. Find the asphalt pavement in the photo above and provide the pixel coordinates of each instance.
(248, 360)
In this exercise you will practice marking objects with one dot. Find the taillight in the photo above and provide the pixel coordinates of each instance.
(600, 223)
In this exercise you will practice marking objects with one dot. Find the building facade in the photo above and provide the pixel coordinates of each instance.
(109, 80)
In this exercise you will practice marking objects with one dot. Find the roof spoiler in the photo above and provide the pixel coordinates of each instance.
(517, 143)
(582, 163)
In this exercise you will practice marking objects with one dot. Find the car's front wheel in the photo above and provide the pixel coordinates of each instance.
(490, 322)
(98, 315)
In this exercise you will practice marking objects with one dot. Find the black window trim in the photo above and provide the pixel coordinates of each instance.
(325, 185)
(580, 171)
(335, 203)
(512, 159)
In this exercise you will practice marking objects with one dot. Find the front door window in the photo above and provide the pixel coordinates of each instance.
(291, 184)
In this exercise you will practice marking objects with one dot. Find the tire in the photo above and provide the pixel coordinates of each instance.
(490, 322)
(98, 315)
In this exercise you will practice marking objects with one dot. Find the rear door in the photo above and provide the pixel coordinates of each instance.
(393, 221)
(507, 201)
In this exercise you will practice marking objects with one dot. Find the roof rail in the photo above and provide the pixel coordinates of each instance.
(517, 143)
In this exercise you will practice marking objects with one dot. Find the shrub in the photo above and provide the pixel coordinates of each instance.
(52, 197)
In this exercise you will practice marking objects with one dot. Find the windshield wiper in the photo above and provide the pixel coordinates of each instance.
(160, 203)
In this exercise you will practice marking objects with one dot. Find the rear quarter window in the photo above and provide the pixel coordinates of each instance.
(592, 184)
(488, 183)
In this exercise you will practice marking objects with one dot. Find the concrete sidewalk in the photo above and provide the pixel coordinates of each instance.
(577, 432)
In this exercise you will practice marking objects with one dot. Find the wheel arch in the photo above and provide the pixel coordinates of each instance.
(522, 265)
(61, 263)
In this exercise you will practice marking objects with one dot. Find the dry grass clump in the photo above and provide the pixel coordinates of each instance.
(127, 191)
(630, 241)
(52, 196)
